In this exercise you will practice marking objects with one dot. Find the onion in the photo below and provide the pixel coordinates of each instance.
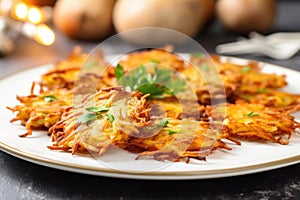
(84, 19)
(244, 16)
(185, 16)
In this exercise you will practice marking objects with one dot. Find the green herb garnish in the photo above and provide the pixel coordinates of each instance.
(245, 69)
(157, 84)
(205, 67)
(96, 109)
(50, 98)
(93, 113)
(110, 117)
(119, 71)
(198, 55)
(163, 123)
(154, 61)
(171, 132)
(251, 114)
(262, 90)
(88, 118)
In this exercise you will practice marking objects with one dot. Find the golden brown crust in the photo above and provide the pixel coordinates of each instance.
(257, 110)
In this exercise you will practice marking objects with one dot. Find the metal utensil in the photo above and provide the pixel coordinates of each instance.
(279, 46)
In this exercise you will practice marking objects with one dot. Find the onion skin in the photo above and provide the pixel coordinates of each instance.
(243, 16)
(85, 19)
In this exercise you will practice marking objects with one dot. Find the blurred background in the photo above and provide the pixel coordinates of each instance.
(35, 32)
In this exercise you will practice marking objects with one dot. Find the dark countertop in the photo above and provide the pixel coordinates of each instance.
(23, 180)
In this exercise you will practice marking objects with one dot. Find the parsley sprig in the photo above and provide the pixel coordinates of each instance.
(92, 114)
(110, 117)
(171, 132)
(119, 71)
(97, 109)
(251, 114)
(205, 67)
(245, 69)
(49, 98)
(88, 118)
(163, 123)
(262, 90)
(154, 60)
(157, 84)
(198, 55)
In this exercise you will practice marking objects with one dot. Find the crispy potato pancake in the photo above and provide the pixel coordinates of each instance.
(182, 139)
(42, 110)
(89, 110)
(64, 73)
(132, 129)
(257, 122)
(85, 129)
(271, 98)
(158, 56)
(84, 68)
(247, 78)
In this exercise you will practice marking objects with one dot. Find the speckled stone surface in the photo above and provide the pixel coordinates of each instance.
(23, 180)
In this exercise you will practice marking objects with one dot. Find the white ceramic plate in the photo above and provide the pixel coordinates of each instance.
(251, 157)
